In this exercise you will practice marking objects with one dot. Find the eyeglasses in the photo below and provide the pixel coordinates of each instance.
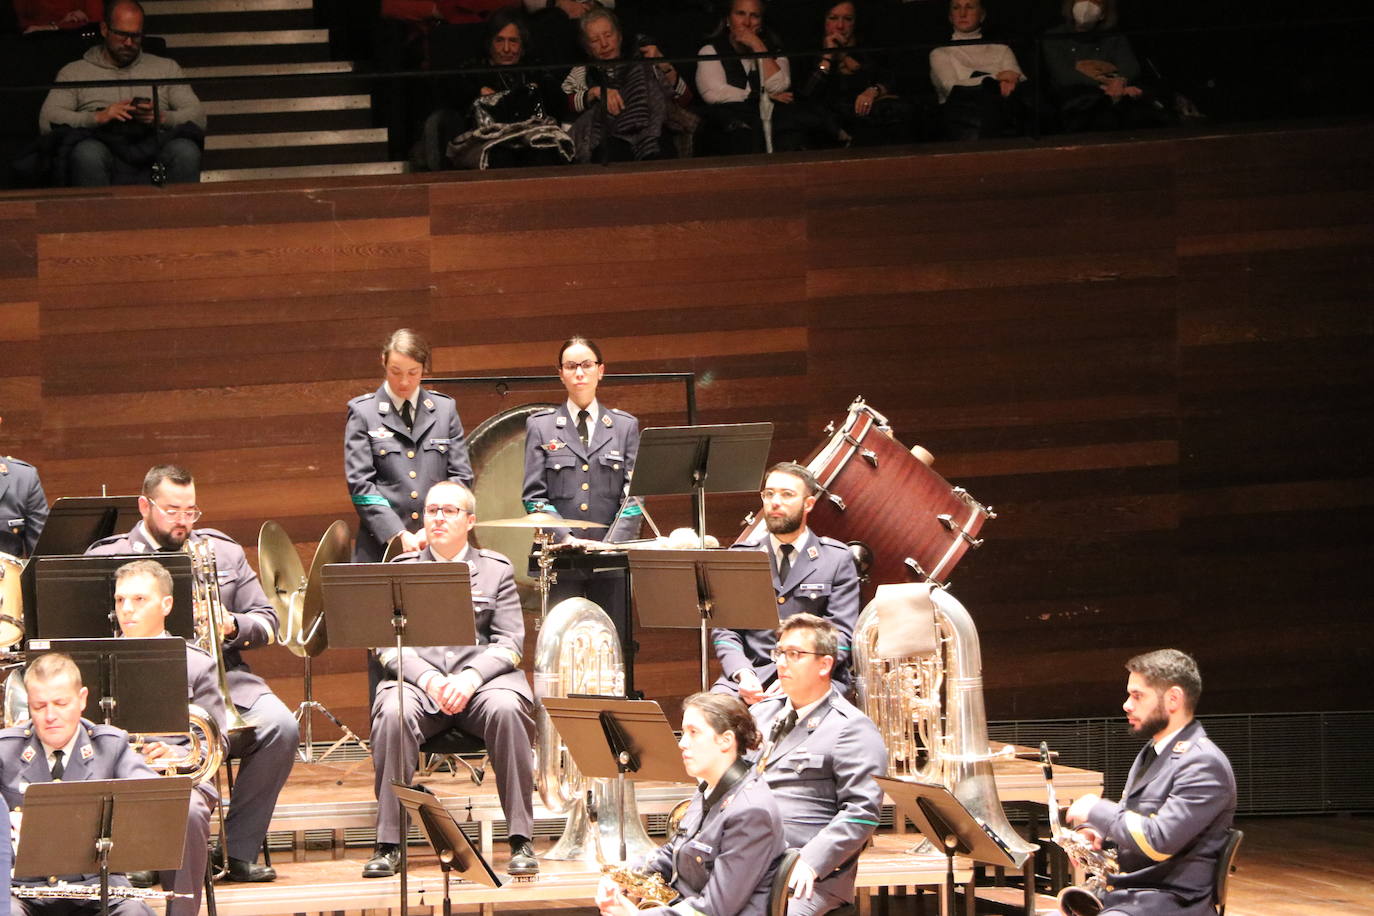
(587, 365)
(131, 37)
(178, 515)
(785, 495)
(443, 511)
(792, 655)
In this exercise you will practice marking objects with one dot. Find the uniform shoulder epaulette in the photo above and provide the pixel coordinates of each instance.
(217, 535)
(198, 650)
(493, 555)
(19, 732)
(749, 545)
(361, 398)
(438, 395)
(101, 730)
(410, 556)
(109, 539)
(19, 461)
(544, 412)
(828, 541)
(623, 413)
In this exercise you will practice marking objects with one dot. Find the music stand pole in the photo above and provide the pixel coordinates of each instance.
(398, 624)
(103, 844)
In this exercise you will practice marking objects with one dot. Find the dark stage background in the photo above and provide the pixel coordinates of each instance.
(1153, 358)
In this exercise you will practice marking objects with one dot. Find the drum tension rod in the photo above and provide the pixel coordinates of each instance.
(950, 525)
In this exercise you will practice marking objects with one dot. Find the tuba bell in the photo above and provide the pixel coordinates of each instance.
(928, 703)
(578, 651)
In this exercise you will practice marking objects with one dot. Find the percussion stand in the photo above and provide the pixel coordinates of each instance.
(548, 578)
(309, 705)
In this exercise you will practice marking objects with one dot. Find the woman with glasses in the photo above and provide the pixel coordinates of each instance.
(722, 859)
(399, 441)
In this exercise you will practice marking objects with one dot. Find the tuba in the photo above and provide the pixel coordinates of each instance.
(928, 704)
(578, 652)
(208, 612)
(1097, 864)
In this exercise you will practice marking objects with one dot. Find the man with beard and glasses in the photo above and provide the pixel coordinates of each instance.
(811, 574)
(113, 139)
(169, 510)
(1172, 822)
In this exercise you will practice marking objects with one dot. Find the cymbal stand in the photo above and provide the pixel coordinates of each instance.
(308, 706)
(543, 540)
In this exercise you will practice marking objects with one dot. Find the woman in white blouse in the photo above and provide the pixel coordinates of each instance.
(748, 99)
(980, 86)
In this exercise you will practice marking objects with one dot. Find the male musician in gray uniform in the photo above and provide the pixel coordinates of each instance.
(819, 757)
(480, 688)
(23, 506)
(1171, 823)
(811, 574)
(143, 599)
(59, 744)
(169, 511)
(399, 441)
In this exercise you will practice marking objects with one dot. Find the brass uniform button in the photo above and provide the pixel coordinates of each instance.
(381, 451)
(586, 486)
(414, 515)
(412, 474)
(414, 494)
(782, 600)
(410, 454)
(616, 466)
(584, 467)
(583, 507)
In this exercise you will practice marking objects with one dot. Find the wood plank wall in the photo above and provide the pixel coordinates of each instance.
(1152, 358)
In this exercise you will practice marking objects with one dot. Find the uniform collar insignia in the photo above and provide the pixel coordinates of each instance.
(4, 468)
(812, 552)
(561, 422)
(27, 755)
(812, 723)
(87, 752)
(429, 405)
(1181, 746)
(606, 420)
(383, 406)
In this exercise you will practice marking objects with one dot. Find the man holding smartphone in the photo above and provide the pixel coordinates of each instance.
(119, 143)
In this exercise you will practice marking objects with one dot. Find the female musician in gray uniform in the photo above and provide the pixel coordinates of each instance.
(400, 440)
(726, 850)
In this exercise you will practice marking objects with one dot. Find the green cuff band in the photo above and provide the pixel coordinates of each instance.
(862, 820)
(539, 505)
(370, 499)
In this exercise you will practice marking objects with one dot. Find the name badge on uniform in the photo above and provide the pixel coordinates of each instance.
(811, 588)
(381, 432)
(612, 454)
(812, 552)
(561, 422)
(27, 755)
(434, 441)
(704, 847)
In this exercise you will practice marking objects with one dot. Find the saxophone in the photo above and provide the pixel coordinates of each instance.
(646, 889)
(929, 708)
(1097, 864)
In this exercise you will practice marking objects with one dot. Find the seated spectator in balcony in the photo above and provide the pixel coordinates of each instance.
(1097, 81)
(502, 117)
(57, 15)
(405, 44)
(981, 87)
(749, 101)
(106, 134)
(621, 107)
(557, 26)
(846, 96)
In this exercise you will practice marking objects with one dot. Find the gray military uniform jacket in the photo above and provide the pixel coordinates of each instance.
(239, 590)
(724, 856)
(821, 775)
(100, 752)
(500, 628)
(23, 507)
(823, 581)
(389, 468)
(1169, 828)
(586, 482)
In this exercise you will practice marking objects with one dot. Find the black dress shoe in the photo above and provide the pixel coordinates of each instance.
(522, 860)
(386, 859)
(249, 872)
(141, 878)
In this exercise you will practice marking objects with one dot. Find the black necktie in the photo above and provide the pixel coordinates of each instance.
(57, 768)
(407, 414)
(785, 564)
(582, 416)
(785, 727)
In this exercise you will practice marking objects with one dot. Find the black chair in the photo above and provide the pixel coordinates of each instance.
(777, 895)
(1226, 863)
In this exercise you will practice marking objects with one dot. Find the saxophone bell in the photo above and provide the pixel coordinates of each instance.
(1096, 864)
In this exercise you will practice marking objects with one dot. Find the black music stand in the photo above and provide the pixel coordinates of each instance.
(410, 604)
(103, 826)
(75, 595)
(451, 845)
(676, 460)
(75, 523)
(617, 739)
(699, 589)
(138, 685)
(945, 821)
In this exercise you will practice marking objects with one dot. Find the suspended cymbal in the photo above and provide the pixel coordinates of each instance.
(333, 548)
(539, 520)
(281, 573)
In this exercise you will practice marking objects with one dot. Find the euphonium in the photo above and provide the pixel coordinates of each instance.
(1096, 864)
(578, 652)
(929, 708)
(208, 611)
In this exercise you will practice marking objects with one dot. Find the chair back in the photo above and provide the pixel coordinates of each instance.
(1226, 863)
(777, 895)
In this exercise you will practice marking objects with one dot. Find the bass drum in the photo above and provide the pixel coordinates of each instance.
(11, 600)
(497, 451)
(914, 524)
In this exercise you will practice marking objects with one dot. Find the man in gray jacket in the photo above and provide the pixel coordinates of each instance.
(123, 140)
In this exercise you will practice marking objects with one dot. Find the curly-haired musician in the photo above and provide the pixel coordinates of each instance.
(169, 510)
(1171, 823)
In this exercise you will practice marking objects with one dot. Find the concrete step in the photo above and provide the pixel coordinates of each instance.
(295, 138)
(181, 40)
(285, 69)
(336, 170)
(279, 121)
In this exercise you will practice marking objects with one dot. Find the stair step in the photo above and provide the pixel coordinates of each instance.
(278, 156)
(300, 69)
(238, 39)
(259, 56)
(297, 87)
(337, 170)
(279, 121)
(290, 103)
(295, 138)
(191, 7)
(256, 20)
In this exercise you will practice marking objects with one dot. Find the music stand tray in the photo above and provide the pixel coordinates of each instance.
(74, 595)
(455, 851)
(76, 522)
(701, 589)
(138, 685)
(103, 826)
(730, 458)
(402, 604)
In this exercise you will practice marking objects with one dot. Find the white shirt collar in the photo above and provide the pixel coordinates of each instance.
(397, 401)
(808, 709)
(1162, 743)
(799, 545)
(975, 35)
(593, 415)
(67, 751)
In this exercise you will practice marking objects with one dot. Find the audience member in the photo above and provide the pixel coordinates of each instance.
(557, 27)
(502, 117)
(749, 101)
(847, 94)
(111, 137)
(54, 15)
(1096, 78)
(981, 87)
(620, 106)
